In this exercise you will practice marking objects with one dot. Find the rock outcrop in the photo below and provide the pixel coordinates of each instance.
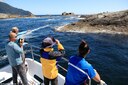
(67, 14)
(115, 18)
(115, 22)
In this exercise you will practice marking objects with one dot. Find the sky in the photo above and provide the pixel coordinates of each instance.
(42, 7)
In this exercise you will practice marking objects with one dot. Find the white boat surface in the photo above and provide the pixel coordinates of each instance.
(34, 74)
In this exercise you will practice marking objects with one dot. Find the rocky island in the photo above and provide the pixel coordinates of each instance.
(107, 22)
(68, 14)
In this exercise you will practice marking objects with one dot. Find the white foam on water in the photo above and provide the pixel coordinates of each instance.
(60, 27)
(27, 32)
(39, 28)
(7, 19)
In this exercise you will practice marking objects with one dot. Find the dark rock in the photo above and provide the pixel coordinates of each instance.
(101, 22)
(66, 14)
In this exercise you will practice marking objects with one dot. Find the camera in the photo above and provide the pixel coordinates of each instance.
(20, 40)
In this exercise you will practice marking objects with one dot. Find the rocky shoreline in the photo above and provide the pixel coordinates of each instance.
(5, 16)
(115, 22)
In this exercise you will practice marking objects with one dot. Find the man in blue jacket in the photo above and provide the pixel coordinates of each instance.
(14, 53)
(79, 70)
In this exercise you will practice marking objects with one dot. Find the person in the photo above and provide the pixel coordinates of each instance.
(15, 30)
(49, 59)
(79, 70)
(20, 35)
(18, 39)
(14, 53)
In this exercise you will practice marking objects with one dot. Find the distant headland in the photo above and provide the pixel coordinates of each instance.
(7, 11)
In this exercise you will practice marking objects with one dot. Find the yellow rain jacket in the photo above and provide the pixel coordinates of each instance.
(49, 59)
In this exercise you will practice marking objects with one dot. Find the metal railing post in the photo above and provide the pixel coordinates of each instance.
(32, 52)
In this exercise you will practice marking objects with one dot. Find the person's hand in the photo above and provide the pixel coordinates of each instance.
(21, 42)
(57, 41)
(102, 82)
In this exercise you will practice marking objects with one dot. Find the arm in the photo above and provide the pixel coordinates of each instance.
(17, 48)
(56, 54)
(59, 53)
(98, 79)
(93, 74)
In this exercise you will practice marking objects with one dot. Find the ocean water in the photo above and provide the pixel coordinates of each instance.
(108, 55)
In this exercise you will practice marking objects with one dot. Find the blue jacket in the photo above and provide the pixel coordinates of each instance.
(14, 53)
(75, 76)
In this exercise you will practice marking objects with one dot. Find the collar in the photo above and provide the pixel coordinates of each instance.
(48, 49)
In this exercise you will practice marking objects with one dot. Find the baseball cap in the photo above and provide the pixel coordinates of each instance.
(48, 42)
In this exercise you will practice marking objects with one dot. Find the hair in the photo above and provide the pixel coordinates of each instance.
(14, 29)
(83, 48)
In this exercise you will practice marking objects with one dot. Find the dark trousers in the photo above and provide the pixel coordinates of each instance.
(19, 69)
(53, 81)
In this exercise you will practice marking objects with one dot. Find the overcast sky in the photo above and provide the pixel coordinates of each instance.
(77, 6)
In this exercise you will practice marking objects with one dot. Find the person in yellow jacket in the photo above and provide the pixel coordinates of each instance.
(49, 59)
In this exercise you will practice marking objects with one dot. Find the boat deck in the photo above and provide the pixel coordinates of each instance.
(34, 74)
